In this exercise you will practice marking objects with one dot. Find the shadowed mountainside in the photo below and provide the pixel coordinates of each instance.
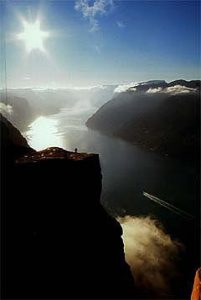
(13, 144)
(17, 110)
(159, 116)
(58, 241)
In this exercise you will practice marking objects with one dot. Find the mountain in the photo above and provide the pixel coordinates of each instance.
(57, 240)
(159, 116)
(13, 144)
(17, 110)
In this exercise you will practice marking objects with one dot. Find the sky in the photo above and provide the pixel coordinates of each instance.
(92, 42)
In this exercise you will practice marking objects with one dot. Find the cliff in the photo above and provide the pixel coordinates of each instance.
(158, 116)
(58, 241)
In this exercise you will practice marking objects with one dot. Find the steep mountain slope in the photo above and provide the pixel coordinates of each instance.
(158, 116)
(13, 144)
(17, 110)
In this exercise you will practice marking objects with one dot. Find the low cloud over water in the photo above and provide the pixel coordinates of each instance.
(151, 253)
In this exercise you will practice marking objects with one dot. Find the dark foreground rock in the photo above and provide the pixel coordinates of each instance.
(57, 240)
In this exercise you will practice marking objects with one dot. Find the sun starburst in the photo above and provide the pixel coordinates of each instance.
(33, 36)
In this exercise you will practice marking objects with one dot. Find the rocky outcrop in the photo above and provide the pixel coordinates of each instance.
(58, 241)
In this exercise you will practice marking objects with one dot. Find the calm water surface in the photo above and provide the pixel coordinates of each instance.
(127, 169)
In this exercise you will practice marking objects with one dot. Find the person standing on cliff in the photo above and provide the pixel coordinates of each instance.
(75, 150)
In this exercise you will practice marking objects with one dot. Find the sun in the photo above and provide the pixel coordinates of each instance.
(33, 36)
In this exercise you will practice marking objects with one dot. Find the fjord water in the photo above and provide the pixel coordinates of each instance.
(128, 171)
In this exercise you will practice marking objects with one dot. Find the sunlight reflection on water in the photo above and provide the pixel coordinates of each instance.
(43, 133)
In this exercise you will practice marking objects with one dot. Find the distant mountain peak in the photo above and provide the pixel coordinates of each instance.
(157, 81)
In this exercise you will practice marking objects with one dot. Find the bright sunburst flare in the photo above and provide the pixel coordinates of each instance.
(33, 36)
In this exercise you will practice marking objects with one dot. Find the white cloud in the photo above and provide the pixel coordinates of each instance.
(124, 87)
(6, 109)
(151, 253)
(173, 90)
(120, 24)
(101, 87)
(78, 88)
(154, 90)
(179, 89)
(92, 9)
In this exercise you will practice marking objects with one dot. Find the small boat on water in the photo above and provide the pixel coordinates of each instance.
(168, 206)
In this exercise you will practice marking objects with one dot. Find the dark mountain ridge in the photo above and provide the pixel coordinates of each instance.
(144, 86)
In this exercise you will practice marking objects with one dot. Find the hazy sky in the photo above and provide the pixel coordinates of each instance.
(93, 42)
